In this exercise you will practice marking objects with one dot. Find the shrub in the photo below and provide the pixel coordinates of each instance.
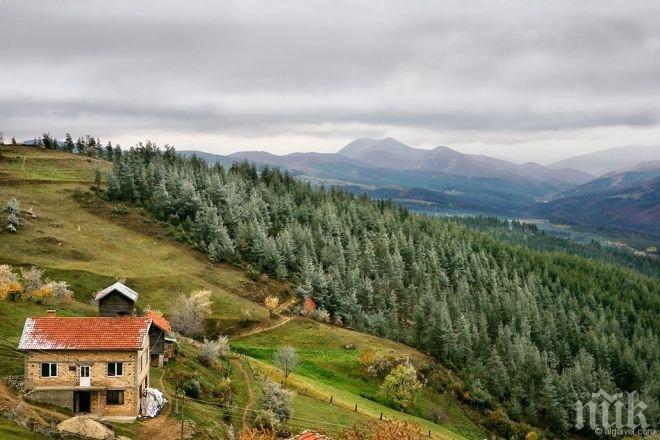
(386, 430)
(212, 350)
(60, 289)
(271, 303)
(321, 315)
(190, 312)
(277, 401)
(248, 433)
(13, 209)
(32, 279)
(192, 388)
(377, 365)
(42, 293)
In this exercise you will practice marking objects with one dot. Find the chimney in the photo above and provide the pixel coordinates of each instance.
(51, 313)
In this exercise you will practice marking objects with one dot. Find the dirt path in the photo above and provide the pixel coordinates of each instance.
(254, 331)
(162, 427)
(249, 405)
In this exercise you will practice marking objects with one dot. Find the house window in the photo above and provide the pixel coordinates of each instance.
(115, 369)
(114, 397)
(48, 369)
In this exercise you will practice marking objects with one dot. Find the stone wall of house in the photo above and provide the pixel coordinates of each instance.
(135, 377)
(68, 368)
(61, 398)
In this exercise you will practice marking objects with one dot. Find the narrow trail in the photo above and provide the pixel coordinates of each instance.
(257, 330)
(249, 405)
(162, 427)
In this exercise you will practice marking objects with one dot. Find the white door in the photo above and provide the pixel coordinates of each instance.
(84, 376)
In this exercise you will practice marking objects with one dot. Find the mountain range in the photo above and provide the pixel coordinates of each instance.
(610, 160)
(626, 202)
(447, 181)
(440, 179)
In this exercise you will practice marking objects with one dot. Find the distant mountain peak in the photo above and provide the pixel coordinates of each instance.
(363, 146)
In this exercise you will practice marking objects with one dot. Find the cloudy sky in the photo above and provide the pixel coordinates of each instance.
(525, 80)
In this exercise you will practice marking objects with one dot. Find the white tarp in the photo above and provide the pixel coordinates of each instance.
(152, 402)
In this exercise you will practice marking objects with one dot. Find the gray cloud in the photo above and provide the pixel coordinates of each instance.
(256, 68)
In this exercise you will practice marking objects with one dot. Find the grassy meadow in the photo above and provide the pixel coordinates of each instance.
(330, 366)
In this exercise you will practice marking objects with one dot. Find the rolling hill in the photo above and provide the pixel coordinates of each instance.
(79, 238)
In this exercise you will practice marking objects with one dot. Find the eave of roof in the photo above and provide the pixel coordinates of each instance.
(157, 320)
(119, 287)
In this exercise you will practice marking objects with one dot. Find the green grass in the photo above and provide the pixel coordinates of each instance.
(81, 240)
(308, 411)
(327, 369)
(22, 163)
(13, 431)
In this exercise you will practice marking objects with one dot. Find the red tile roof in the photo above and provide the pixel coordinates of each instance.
(53, 333)
(159, 321)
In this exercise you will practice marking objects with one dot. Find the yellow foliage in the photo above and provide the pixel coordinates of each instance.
(271, 303)
(9, 289)
(367, 357)
(256, 434)
(385, 430)
(44, 291)
(531, 435)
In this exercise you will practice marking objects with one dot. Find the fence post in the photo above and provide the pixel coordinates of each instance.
(356, 407)
(331, 398)
(381, 416)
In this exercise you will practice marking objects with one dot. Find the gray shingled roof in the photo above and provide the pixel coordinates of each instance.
(121, 288)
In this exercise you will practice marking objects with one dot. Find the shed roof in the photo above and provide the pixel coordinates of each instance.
(84, 333)
(121, 288)
(158, 321)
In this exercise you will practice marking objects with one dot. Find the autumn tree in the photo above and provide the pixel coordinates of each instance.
(271, 302)
(401, 386)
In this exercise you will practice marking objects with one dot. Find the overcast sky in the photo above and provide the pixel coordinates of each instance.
(526, 80)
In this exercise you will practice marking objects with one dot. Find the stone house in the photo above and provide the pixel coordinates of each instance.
(94, 365)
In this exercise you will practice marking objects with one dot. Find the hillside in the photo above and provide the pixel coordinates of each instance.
(625, 203)
(498, 315)
(78, 238)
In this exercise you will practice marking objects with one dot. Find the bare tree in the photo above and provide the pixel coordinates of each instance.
(286, 359)
(190, 312)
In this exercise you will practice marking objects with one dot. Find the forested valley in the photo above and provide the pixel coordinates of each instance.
(528, 331)
(529, 235)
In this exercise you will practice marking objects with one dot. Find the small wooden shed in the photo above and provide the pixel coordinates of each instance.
(116, 300)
